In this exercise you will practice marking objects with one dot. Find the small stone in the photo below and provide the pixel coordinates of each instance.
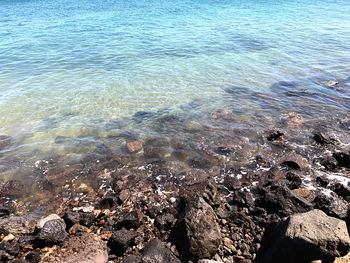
(124, 195)
(135, 146)
(42, 221)
(9, 237)
(53, 231)
(121, 240)
(156, 252)
(172, 199)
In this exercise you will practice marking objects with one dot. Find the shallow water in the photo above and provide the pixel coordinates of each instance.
(75, 72)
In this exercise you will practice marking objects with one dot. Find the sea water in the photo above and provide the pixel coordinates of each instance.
(68, 69)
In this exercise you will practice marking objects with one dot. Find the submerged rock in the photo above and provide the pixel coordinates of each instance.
(156, 252)
(5, 141)
(305, 237)
(134, 146)
(197, 234)
(322, 138)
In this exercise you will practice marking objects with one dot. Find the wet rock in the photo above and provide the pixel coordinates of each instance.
(293, 119)
(130, 220)
(156, 148)
(329, 162)
(322, 138)
(322, 181)
(293, 180)
(135, 146)
(164, 222)
(341, 190)
(232, 183)
(6, 211)
(343, 159)
(294, 161)
(305, 237)
(224, 150)
(12, 188)
(331, 206)
(143, 115)
(53, 231)
(81, 248)
(274, 135)
(197, 184)
(197, 233)
(156, 252)
(200, 163)
(12, 247)
(283, 201)
(121, 240)
(20, 225)
(5, 141)
(304, 193)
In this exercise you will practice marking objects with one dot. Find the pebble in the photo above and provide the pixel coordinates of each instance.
(172, 199)
(9, 237)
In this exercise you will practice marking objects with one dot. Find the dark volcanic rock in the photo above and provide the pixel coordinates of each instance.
(156, 252)
(121, 240)
(343, 159)
(341, 190)
(294, 181)
(82, 218)
(164, 222)
(305, 237)
(322, 181)
(332, 206)
(224, 150)
(274, 135)
(232, 183)
(294, 161)
(197, 233)
(283, 201)
(130, 220)
(197, 184)
(329, 162)
(53, 231)
(6, 211)
(322, 138)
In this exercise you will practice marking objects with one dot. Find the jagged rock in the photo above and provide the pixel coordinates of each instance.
(341, 190)
(329, 162)
(283, 201)
(197, 184)
(331, 205)
(293, 181)
(323, 138)
(322, 181)
(156, 252)
(130, 220)
(274, 135)
(43, 220)
(232, 183)
(343, 159)
(20, 225)
(305, 237)
(164, 222)
(197, 233)
(53, 231)
(6, 211)
(81, 248)
(86, 219)
(121, 240)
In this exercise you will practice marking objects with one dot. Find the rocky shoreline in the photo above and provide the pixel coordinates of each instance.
(191, 192)
(261, 212)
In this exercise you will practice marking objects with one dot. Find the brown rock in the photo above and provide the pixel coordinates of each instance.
(197, 233)
(81, 248)
(294, 161)
(306, 237)
(135, 146)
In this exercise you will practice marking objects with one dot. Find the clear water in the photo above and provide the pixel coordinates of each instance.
(68, 68)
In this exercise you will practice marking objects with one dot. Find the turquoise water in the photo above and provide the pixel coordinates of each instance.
(68, 68)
